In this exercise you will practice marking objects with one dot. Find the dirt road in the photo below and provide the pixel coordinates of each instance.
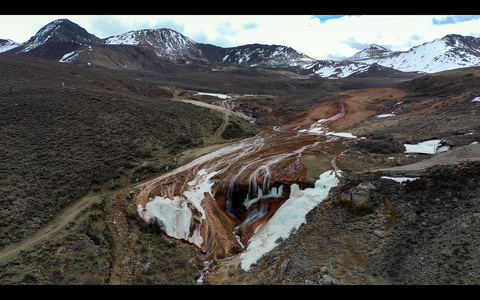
(52, 227)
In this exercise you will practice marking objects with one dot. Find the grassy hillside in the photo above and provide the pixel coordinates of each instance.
(66, 130)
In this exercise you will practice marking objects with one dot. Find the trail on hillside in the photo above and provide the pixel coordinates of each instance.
(67, 215)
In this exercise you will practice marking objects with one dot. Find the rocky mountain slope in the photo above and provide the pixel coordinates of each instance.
(150, 49)
(257, 55)
(450, 52)
(165, 43)
(164, 49)
(56, 39)
(7, 44)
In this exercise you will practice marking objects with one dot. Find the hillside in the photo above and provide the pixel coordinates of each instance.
(68, 131)
(395, 217)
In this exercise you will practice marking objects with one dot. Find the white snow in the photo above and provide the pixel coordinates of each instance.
(8, 45)
(342, 134)
(66, 57)
(316, 130)
(177, 215)
(372, 50)
(339, 69)
(430, 57)
(384, 116)
(400, 179)
(323, 130)
(287, 219)
(221, 96)
(426, 147)
(476, 99)
(127, 38)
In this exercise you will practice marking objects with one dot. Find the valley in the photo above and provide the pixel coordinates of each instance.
(210, 173)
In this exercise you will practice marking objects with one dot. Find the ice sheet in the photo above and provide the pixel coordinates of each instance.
(426, 147)
(287, 219)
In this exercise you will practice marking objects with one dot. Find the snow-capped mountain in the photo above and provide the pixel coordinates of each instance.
(371, 52)
(165, 43)
(7, 44)
(55, 39)
(265, 55)
(333, 69)
(447, 53)
(73, 44)
(450, 52)
(163, 49)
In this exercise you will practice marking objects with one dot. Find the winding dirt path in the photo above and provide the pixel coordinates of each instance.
(70, 212)
(63, 218)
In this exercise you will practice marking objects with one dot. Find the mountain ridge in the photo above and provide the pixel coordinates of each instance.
(162, 49)
(373, 50)
(449, 52)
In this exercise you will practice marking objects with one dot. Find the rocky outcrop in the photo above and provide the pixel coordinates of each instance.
(375, 230)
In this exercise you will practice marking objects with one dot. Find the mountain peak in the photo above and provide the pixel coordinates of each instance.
(147, 36)
(264, 55)
(62, 30)
(165, 43)
(372, 51)
(375, 47)
(7, 44)
(458, 40)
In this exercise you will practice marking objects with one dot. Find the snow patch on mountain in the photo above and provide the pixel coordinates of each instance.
(8, 44)
(266, 55)
(335, 69)
(372, 51)
(165, 43)
(447, 53)
(42, 36)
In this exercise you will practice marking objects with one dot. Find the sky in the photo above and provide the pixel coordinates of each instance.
(318, 36)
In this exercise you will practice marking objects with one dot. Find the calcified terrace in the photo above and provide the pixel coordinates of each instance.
(217, 201)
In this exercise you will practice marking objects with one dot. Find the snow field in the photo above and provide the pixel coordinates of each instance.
(426, 147)
(287, 219)
(221, 96)
(177, 215)
(319, 130)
